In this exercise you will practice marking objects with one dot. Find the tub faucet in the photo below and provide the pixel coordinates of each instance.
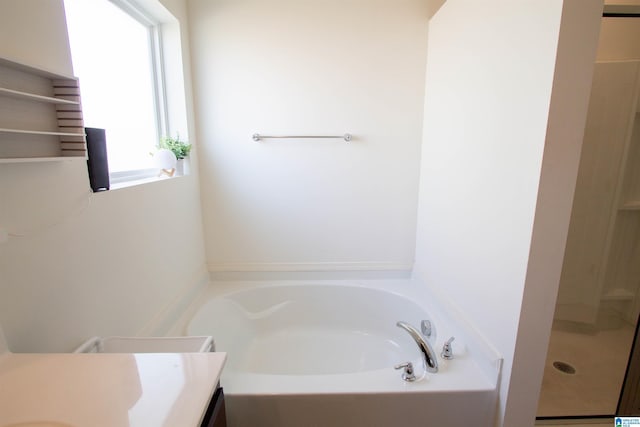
(447, 351)
(428, 355)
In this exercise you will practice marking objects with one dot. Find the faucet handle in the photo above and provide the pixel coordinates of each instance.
(408, 374)
(426, 328)
(447, 351)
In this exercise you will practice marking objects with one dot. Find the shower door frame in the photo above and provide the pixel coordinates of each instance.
(629, 400)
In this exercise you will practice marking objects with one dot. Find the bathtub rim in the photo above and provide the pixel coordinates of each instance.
(483, 352)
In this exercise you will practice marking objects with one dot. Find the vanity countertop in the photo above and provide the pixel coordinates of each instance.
(107, 389)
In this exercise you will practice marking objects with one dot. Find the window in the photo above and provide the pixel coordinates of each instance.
(116, 55)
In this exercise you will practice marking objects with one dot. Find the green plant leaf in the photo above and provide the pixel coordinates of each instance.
(180, 148)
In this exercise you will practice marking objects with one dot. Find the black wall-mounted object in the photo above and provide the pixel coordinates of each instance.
(97, 159)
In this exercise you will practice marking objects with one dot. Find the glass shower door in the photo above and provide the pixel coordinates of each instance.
(598, 302)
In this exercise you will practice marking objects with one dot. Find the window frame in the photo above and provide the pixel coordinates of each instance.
(154, 36)
(154, 32)
(157, 79)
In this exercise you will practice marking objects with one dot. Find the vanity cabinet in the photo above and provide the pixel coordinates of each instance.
(40, 115)
(216, 415)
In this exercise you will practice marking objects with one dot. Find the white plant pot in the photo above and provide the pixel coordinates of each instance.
(180, 167)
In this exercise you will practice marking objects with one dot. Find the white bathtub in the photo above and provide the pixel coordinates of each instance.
(322, 354)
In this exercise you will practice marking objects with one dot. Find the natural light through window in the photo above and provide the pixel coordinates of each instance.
(111, 53)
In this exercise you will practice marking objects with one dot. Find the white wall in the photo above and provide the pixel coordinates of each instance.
(35, 36)
(491, 229)
(108, 264)
(309, 67)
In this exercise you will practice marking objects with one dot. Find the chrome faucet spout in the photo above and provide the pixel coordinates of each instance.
(429, 359)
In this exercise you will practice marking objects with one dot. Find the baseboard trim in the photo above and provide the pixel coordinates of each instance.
(309, 267)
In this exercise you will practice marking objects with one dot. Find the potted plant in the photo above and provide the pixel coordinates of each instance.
(181, 149)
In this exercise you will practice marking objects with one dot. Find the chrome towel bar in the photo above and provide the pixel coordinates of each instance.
(257, 137)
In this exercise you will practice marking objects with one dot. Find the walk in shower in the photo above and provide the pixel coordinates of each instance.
(598, 302)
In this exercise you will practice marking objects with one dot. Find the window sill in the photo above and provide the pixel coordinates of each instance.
(135, 182)
(131, 179)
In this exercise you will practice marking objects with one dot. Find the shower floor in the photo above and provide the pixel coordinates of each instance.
(600, 361)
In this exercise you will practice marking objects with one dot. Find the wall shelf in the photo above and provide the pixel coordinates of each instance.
(26, 68)
(35, 97)
(618, 295)
(41, 159)
(631, 206)
(42, 116)
(39, 132)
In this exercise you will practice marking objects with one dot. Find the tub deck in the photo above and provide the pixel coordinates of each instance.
(323, 354)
